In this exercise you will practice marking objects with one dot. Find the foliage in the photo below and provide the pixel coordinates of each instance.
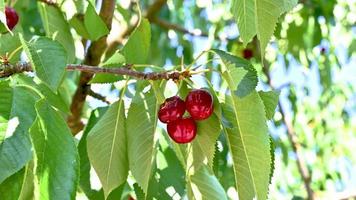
(124, 151)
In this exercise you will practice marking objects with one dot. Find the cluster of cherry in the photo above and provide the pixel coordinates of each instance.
(183, 129)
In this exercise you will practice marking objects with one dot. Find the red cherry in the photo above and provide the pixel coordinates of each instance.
(182, 130)
(11, 17)
(172, 109)
(247, 54)
(199, 104)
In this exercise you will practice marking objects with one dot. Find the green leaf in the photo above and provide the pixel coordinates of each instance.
(140, 195)
(48, 58)
(138, 45)
(19, 186)
(57, 161)
(57, 28)
(83, 155)
(270, 101)
(204, 143)
(205, 185)
(106, 144)
(77, 22)
(94, 24)
(17, 110)
(3, 17)
(239, 73)
(8, 44)
(259, 17)
(116, 60)
(141, 126)
(54, 99)
(249, 145)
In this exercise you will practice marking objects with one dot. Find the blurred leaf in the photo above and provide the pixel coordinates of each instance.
(239, 73)
(57, 160)
(270, 101)
(259, 17)
(17, 108)
(94, 24)
(107, 149)
(141, 127)
(48, 58)
(137, 47)
(57, 28)
(249, 145)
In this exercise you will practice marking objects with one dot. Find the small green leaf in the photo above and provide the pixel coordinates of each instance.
(8, 44)
(94, 25)
(106, 144)
(205, 185)
(57, 28)
(57, 161)
(116, 60)
(77, 22)
(239, 73)
(141, 127)
(48, 58)
(270, 101)
(138, 45)
(3, 17)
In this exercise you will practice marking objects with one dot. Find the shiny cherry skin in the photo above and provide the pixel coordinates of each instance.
(247, 54)
(182, 130)
(11, 17)
(172, 109)
(199, 104)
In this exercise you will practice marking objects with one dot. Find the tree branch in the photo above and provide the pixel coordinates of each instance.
(166, 25)
(98, 96)
(126, 70)
(93, 57)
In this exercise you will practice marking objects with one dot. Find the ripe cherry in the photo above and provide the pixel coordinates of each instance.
(11, 17)
(172, 109)
(182, 130)
(199, 104)
(247, 54)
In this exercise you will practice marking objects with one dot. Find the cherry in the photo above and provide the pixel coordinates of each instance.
(11, 17)
(247, 54)
(172, 109)
(199, 104)
(182, 130)
(322, 50)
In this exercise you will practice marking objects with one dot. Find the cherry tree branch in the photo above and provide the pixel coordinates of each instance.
(98, 96)
(126, 70)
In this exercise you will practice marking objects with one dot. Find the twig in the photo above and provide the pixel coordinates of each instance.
(92, 57)
(98, 96)
(49, 2)
(167, 25)
(293, 138)
(120, 70)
